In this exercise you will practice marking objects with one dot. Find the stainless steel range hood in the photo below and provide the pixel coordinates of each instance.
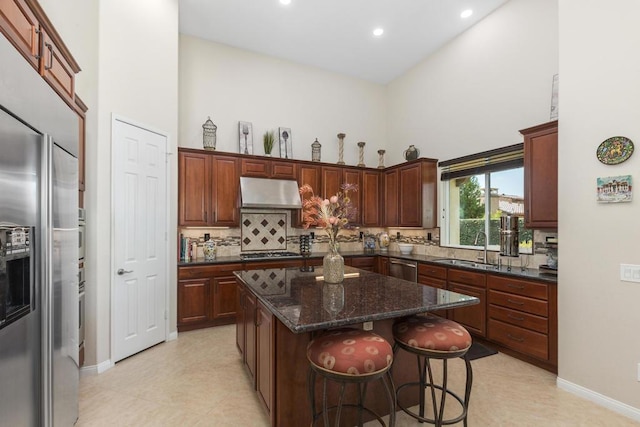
(269, 193)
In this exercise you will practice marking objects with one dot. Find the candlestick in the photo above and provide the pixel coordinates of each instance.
(361, 154)
(381, 159)
(341, 148)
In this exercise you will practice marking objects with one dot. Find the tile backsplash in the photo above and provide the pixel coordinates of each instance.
(272, 231)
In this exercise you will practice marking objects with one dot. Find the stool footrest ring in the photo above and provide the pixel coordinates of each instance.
(430, 420)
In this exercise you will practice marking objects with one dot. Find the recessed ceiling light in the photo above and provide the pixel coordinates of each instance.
(466, 13)
(285, 2)
(378, 32)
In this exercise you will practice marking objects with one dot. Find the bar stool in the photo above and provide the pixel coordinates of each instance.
(432, 337)
(349, 356)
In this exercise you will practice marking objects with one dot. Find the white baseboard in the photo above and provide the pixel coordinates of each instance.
(173, 336)
(600, 399)
(96, 369)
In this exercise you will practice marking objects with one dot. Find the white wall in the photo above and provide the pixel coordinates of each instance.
(232, 85)
(599, 98)
(129, 55)
(79, 30)
(476, 92)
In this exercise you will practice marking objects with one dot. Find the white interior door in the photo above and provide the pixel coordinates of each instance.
(140, 229)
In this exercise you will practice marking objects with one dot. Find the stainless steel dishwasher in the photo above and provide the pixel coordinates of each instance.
(403, 269)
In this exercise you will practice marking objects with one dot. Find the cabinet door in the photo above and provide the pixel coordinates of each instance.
(370, 193)
(283, 170)
(20, 26)
(264, 350)
(56, 70)
(367, 263)
(256, 168)
(391, 198)
(331, 181)
(541, 176)
(193, 301)
(250, 335)
(224, 297)
(226, 185)
(472, 317)
(354, 177)
(240, 321)
(410, 190)
(194, 189)
(307, 174)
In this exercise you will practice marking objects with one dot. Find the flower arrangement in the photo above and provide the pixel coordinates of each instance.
(332, 214)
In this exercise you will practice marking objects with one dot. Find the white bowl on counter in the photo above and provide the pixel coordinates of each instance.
(405, 248)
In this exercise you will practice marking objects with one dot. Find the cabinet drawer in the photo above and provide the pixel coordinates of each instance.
(255, 168)
(516, 302)
(520, 287)
(523, 340)
(430, 281)
(518, 318)
(432, 271)
(467, 277)
(205, 271)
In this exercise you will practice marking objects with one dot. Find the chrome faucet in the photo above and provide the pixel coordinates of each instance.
(475, 243)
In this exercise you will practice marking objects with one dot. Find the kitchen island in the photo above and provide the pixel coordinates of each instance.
(280, 311)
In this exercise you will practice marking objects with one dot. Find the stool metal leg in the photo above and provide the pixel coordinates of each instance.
(467, 390)
(390, 398)
(311, 393)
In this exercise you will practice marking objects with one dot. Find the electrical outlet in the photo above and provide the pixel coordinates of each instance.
(638, 371)
(367, 326)
(630, 273)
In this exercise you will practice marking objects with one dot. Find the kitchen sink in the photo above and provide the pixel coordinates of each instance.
(465, 263)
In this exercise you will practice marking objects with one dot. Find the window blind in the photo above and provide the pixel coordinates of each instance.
(504, 158)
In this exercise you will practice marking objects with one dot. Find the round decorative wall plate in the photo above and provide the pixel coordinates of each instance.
(614, 150)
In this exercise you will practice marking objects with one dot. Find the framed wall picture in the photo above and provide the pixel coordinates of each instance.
(615, 189)
(245, 137)
(286, 146)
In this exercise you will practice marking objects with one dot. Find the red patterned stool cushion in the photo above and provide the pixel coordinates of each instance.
(350, 352)
(431, 333)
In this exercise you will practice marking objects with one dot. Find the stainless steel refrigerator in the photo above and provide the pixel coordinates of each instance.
(38, 249)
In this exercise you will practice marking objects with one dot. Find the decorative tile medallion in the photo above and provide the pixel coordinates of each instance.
(263, 232)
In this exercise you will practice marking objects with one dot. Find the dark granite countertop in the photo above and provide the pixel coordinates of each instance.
(303, 303)
(529, 273)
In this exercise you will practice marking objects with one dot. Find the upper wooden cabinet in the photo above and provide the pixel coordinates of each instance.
(262, 168)
(28, 28)
(541, 176)
(208, 189)
(307, 174)
(20, 25)
(332, 179)
(370, 198)
(410, 194)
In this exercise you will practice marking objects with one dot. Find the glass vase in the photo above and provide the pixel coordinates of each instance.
(333, 266)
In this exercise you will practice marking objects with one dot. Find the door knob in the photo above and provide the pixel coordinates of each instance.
(122, 271)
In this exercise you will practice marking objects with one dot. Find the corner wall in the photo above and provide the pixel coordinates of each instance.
(599, 98)
(232, 85)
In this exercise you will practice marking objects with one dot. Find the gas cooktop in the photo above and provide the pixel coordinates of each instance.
(269, 255)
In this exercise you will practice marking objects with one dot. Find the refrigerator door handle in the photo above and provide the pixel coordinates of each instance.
(122, 271)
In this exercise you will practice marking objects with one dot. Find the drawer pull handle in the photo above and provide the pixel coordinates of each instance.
(511, 337)
(514, 302)
(519, 319)
(511, 285)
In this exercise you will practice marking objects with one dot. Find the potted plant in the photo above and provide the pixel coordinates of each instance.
(268, 139)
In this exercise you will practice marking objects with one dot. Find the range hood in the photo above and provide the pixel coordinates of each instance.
(269, 193)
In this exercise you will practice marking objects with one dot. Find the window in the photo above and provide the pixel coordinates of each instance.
(477, 191)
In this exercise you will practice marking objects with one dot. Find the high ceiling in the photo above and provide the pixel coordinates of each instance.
(336, 35)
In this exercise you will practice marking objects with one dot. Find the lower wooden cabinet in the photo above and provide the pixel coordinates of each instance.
(265, 339)
(473, 317)
(435, 276)
(367, 263)
(523, 317)
(206, 296)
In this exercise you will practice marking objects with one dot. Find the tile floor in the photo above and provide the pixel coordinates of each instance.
(198, 380)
